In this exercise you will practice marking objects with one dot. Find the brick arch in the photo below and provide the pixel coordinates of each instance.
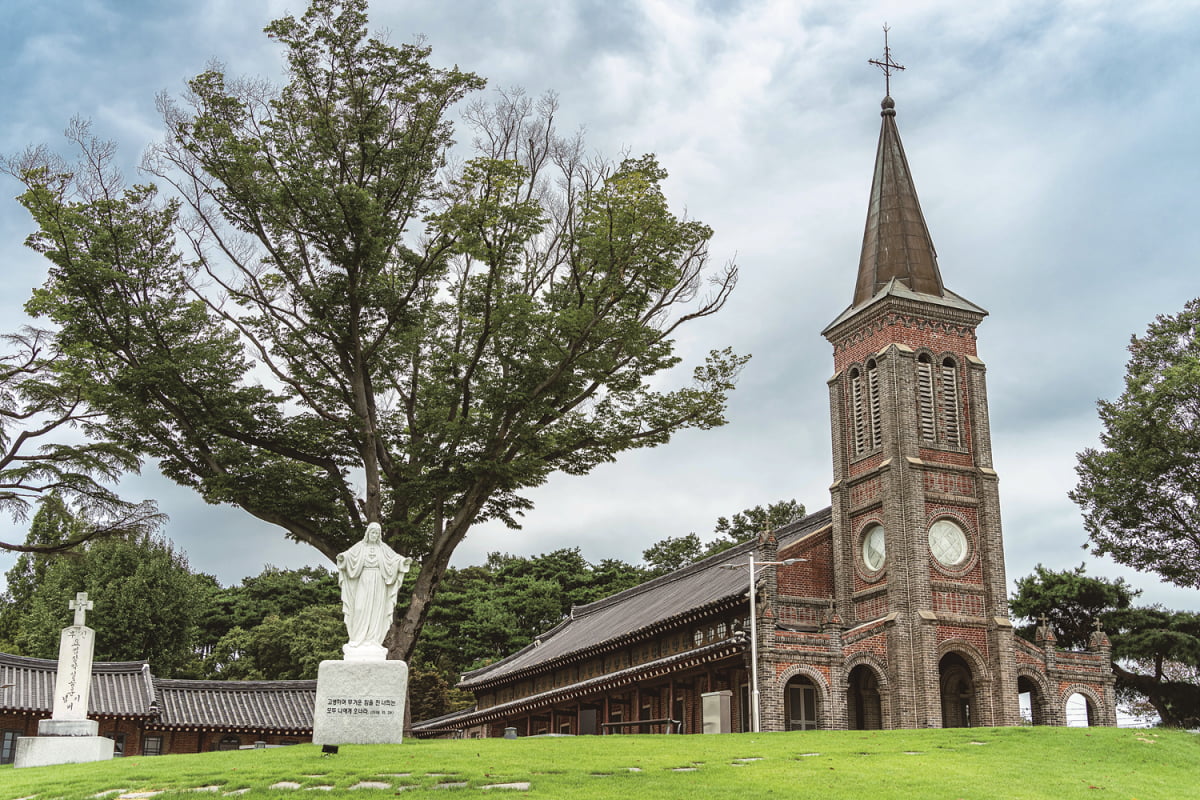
(970, 654)
(1051, 705)
(812, 673)
(871, 660)
(966, 709)
(825, 703)
(879, 669)
(1089, 694)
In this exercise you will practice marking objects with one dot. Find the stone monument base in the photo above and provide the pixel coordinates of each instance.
(63, 741)
(360, 702)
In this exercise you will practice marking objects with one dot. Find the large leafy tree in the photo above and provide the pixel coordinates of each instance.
(1156, 652)
(359, 332)
(44, 457)
(1140, 490)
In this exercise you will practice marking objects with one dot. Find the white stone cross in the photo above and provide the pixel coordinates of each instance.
(81, 605)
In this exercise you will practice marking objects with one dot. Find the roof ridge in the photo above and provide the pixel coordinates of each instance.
(51, 664)
(232, 686)
(685, 571)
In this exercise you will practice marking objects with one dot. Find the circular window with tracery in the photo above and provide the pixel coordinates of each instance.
(948, 543)
(874, 549)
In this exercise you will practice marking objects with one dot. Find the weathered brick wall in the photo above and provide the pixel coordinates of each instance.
(812, 577)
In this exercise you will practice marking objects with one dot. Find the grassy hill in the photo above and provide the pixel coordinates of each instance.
(1059, 763)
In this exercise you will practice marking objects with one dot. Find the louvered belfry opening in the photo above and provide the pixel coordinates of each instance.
(951, 429)
(926, 415)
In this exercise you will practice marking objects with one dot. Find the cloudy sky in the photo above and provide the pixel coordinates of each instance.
(1053, 146)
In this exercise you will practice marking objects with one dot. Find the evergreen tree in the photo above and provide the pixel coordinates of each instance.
(147, 604)
(1140, 490)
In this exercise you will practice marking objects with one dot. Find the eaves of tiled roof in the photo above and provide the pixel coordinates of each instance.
(250, 706)
(600, 683)
(120, 689)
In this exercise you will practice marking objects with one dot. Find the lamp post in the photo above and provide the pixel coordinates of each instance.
(754, 726)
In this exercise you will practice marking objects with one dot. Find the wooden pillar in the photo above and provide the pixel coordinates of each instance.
(670, 704)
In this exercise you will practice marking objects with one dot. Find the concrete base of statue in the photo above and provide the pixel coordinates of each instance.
(360, 702)
(63, 741)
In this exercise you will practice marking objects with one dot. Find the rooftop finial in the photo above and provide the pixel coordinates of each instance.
(888, 65)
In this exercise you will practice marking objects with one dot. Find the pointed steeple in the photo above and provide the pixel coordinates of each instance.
(896, 242)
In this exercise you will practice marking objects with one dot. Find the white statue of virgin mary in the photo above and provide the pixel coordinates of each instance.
(369, 574)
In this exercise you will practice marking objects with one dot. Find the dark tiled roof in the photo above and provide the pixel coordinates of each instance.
(127, 689)
(285, 706)
(458, 720)
(646, 608)
(119, 688)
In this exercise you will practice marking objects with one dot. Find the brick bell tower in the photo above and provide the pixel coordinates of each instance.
(918, 551)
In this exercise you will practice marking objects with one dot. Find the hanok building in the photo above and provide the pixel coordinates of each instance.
(153, 716)
(895, 615)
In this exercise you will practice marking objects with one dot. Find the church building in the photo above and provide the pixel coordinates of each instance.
(886, 610)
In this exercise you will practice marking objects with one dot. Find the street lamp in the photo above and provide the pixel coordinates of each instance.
(754, 726)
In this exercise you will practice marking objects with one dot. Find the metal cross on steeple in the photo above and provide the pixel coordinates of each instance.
(81, 605)
(887, 65)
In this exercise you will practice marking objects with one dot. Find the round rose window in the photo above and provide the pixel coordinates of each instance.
(873, 548)
(948, 543)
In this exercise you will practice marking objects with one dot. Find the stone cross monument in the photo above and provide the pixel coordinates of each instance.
(360, 700)
(69, 737)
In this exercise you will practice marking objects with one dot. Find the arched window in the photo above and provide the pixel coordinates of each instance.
(926, 413)
(875, 422)
(951, 428)
(858, 411)
(800, 698)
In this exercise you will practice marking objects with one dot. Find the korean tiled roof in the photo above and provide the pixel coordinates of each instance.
(119, 688)
(282, 706)
(649, 607)
(127, 689)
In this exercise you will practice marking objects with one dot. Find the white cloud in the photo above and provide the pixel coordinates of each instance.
(1052, 146)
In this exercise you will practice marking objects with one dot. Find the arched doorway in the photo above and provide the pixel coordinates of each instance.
(1079, 711)
(864, 710)
(1032, 702)
(958, 691)
(800, 704)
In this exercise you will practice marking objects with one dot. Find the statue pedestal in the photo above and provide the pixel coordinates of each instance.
(68, 737)
(360, 702)
(62, 741)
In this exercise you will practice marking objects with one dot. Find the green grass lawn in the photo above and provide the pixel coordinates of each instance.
(1058, 763)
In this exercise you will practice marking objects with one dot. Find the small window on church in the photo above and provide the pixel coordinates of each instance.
(698, 638)
(926, 415)
(950, 419)
(874, 551)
